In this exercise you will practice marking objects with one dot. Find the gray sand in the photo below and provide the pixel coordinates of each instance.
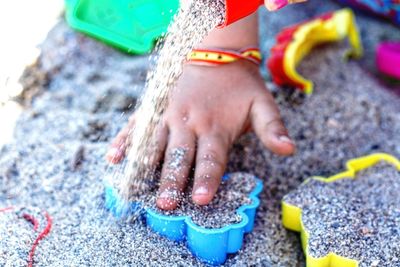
(86, 82)
(232, 194)
(356, 219)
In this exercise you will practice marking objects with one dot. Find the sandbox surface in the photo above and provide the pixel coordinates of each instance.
(56, 161)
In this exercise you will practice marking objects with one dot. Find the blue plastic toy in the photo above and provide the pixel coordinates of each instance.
(209, 245)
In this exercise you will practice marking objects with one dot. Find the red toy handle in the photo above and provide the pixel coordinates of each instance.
(238, 9)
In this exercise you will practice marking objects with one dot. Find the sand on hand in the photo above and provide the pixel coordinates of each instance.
(232, 194)
(192, 23)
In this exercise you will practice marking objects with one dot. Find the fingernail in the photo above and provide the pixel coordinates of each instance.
(286, 139)
(112, 151)
(113, 154)
(169, 194)
(273, 5)
(164, 194)
(201, 191)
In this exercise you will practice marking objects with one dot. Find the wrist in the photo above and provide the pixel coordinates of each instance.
(224, 56)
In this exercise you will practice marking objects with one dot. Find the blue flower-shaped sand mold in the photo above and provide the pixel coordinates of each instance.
(209, 245)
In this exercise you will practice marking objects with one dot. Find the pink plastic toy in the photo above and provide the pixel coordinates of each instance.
(388, 58)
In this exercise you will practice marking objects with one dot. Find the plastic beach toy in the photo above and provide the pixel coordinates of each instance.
(385, 8)
(388, 58)
(134, 25)
(131, 25)
(295, 42)
(238, 9)
(209, 245)
(291, 215)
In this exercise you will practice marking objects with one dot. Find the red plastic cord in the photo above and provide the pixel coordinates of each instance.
(35, 223)
(42, 235)
(6, 209)
(32, 220)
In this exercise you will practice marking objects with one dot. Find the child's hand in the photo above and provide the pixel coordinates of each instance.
(210, 108)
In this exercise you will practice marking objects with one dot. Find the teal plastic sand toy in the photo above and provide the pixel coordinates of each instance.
(131, 25)
(211, 246)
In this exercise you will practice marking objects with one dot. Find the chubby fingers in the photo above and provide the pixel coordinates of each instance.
(273, 5)
(118, 146)
(211, 159)
(268, 125)
(178, 160)
(121, 143)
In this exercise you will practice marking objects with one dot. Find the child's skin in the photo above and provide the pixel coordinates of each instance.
(211, 108)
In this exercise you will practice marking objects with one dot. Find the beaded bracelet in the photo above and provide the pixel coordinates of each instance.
(220, 56)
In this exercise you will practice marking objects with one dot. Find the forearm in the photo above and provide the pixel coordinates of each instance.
(238, 35)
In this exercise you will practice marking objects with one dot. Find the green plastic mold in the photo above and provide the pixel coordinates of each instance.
(131, 25)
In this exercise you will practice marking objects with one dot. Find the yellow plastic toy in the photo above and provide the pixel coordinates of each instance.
(295, 42)
(291, 215)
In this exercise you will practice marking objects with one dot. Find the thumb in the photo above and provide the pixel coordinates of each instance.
(268, 125)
